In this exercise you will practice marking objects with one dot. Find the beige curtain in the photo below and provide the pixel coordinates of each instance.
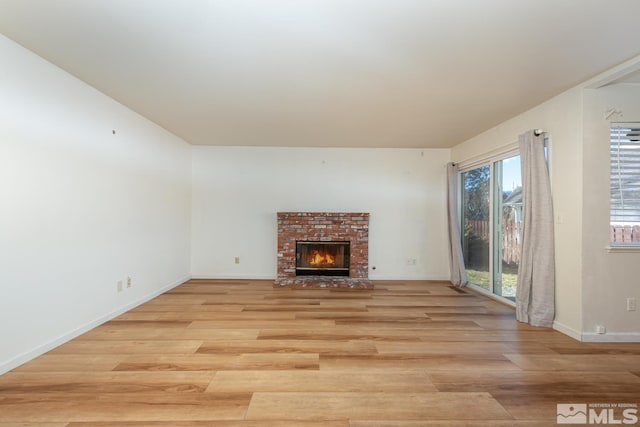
(535, 294)
(456, 260)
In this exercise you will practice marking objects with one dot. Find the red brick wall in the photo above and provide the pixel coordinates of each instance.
(323, 226)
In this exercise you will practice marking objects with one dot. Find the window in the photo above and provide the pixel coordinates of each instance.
(624, 209)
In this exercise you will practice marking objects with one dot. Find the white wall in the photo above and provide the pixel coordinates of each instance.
(237, 192)
(80, 207)
(561, 117)
(609, 278)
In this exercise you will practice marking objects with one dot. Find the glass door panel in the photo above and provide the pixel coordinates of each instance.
(507, 222)
(476, 222)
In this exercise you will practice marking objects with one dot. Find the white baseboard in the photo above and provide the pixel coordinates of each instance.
(375, 277)
(232, 277)
(50, 345)
(595, 337)
(611, 337)
(576, 335)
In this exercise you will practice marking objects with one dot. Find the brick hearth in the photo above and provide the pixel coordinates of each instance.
(322, 227)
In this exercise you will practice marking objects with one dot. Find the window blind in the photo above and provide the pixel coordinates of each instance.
(625, 173)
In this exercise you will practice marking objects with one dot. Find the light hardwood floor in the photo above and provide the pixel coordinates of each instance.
(216, 353)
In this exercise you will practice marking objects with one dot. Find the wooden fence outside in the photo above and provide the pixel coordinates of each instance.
(511, 236)
(511, 241)
(624, 233)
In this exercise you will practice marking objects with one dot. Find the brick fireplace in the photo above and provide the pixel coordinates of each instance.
(323, 228)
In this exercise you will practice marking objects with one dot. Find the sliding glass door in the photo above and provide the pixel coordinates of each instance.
(491, 209)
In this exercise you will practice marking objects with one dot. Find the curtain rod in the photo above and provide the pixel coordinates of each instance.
(480, 158)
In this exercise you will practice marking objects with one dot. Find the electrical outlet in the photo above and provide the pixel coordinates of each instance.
(631, 304)
(237, 260)
(128, 282)
(601, 329)
(411, 261)
(119, 285)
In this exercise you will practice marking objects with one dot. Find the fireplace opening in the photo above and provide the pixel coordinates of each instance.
(322, 258)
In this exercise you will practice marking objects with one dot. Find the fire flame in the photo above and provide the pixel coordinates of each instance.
(321, 258)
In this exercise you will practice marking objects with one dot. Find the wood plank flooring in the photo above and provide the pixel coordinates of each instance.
(221, 353)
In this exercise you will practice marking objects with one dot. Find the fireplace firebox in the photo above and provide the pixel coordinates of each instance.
(322, 258)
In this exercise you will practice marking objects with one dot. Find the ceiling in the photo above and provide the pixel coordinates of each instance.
(328, 73)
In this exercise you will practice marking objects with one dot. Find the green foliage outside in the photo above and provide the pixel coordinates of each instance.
(482, 279)
(476, 194)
